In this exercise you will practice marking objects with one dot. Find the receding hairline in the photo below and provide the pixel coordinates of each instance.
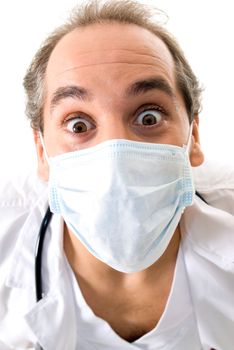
(161, 48)
(82, 29)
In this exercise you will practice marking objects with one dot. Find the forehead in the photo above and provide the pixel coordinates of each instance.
(112, 49)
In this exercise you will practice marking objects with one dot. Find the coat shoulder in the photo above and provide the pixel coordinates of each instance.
(209, 231)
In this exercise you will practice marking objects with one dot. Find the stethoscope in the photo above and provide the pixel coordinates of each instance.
(39, 249)
(38, 256)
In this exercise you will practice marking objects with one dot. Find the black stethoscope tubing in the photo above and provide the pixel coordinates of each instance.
(38, 256)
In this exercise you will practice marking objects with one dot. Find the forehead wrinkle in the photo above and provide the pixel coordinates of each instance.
(106, 63)
(96, 57)
(131, 52)
(99, 64)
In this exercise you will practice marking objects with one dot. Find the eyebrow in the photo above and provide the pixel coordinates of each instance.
(137, 88)
(70, 91)
(145, 85)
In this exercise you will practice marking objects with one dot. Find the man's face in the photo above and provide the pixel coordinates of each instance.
(112, 81)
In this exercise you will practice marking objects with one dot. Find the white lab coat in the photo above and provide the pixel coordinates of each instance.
(207, 242)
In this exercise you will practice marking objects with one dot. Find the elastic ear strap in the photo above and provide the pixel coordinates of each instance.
(189, 141)
(44, 148)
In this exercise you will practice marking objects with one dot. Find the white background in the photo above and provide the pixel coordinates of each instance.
(203, 28)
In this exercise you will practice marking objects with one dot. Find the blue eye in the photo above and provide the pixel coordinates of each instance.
(79, 125)
(149, 117)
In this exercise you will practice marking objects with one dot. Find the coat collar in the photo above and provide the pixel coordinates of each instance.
(21, 271)
(207, 244)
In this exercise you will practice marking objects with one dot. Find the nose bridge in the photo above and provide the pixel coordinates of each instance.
(113, 121)
(115, 127)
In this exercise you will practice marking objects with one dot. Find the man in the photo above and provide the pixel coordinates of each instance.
(131, 258)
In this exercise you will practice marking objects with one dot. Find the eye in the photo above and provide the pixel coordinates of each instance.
(149, 117)
(79, 125)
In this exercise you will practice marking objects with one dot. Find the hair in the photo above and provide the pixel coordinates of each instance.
(91, 12)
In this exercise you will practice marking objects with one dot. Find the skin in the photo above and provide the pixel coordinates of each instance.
(100, 59)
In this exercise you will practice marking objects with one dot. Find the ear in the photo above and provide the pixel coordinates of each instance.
(43, 167)
(196, 154)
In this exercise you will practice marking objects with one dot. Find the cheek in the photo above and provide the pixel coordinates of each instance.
(178, 135)
(53, 139)
(183, 129)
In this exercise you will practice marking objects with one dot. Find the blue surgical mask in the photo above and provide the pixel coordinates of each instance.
(122, 199)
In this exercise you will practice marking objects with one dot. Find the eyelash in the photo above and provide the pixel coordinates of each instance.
(145, 108)
(77, 115)
(151, 106)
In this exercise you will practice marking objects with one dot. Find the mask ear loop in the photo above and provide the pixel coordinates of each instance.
(43, 146)
(189, 140)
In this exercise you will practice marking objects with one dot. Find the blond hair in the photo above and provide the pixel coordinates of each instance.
(91, 12)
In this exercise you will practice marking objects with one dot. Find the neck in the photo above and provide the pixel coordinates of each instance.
(132, 303)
